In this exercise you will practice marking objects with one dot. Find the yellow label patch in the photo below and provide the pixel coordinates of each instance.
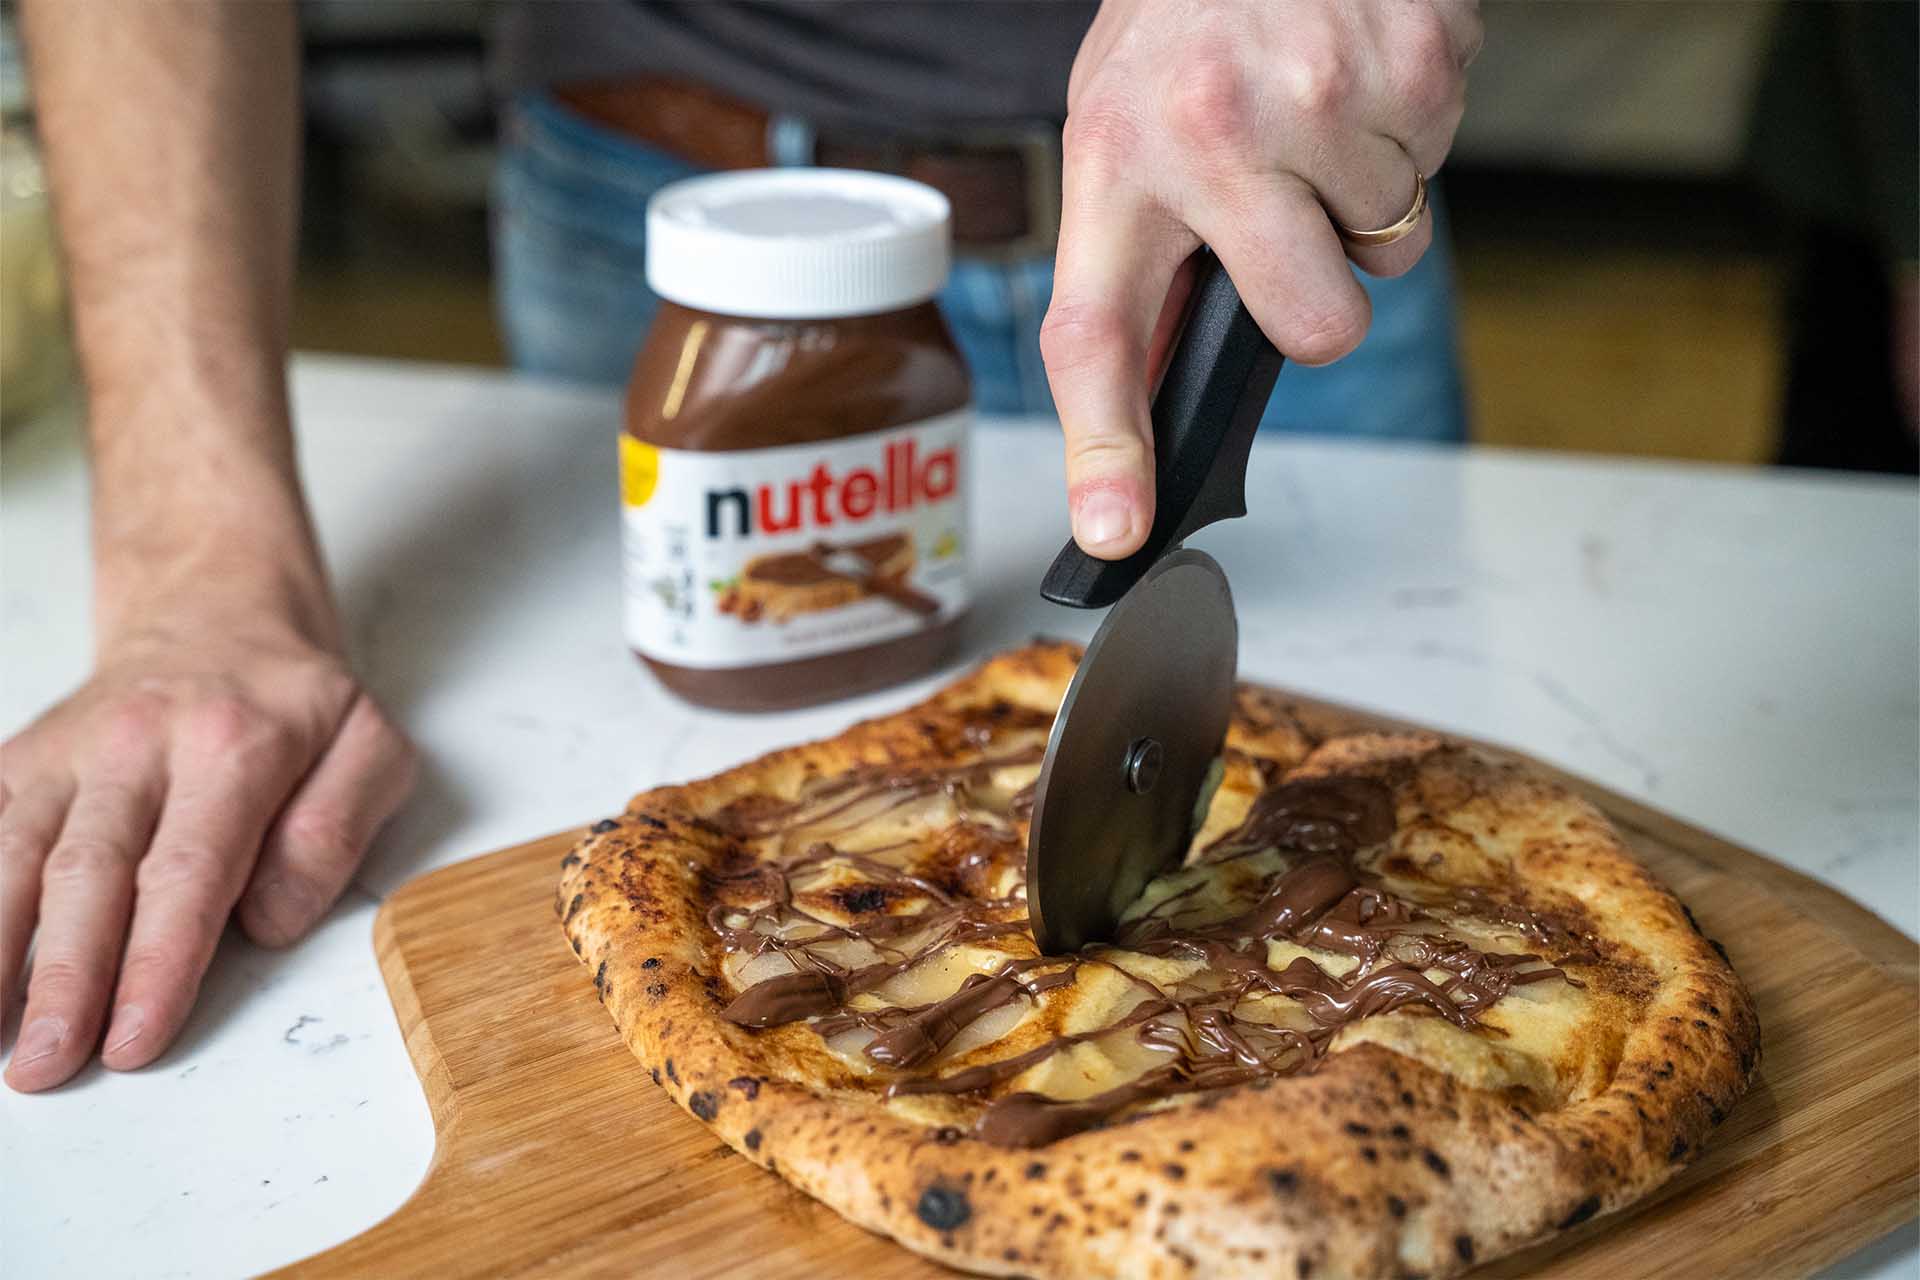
(639, 471)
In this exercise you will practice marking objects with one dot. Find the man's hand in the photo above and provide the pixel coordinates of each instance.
(1251, 126)
(215, 758)
(222, 753)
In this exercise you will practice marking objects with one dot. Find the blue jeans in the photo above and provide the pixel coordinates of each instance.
(570, 282)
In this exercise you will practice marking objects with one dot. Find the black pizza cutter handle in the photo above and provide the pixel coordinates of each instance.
(1204, 418)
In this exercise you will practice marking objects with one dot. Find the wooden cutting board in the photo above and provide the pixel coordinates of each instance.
(556, 1154)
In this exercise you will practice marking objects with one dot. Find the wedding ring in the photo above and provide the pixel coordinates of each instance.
(1394, 232)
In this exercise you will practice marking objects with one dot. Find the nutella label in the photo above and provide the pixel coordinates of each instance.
(771, 555)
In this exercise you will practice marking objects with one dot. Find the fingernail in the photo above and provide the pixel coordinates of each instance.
(39, 1039)
(289, 900)
(282, 908)
(1101, 518)
(128, 1023)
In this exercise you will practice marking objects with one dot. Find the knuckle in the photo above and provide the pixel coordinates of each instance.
(281, 743)
(1077, 333)
(279, 909)
(1318, 80)
(321, 836)
(1097, 456)
(18, 848)
(261, 926)
(228, 727)
(1207, 108)
(59, 978)
(180, 868)
(390, 752)
(1427, 73)
(270, 924)
(389, 734)
(1101, 137)
(334, 684)
(224, 723)
(132, 721)
(81, 862)
(148, 966)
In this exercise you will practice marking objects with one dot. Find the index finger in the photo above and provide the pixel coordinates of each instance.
(1116, 259)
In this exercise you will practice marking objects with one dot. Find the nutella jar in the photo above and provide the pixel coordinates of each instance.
(793, 469)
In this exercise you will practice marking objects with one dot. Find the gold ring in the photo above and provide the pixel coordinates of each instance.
(1396, 231)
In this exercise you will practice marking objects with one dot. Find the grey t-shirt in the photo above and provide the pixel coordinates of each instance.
(906, 64)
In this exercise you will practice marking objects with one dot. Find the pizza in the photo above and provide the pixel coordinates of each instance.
(1404, 1007)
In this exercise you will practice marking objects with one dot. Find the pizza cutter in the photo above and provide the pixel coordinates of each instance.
(1132, 754)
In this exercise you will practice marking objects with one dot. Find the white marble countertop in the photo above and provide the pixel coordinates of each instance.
(1739, 647)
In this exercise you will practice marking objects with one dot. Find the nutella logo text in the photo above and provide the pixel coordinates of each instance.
(905, 479)
(743, 557)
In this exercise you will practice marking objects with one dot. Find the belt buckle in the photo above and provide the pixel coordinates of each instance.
(1038, 145)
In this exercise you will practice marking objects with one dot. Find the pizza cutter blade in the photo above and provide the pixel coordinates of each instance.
(1127, 762)
(1125, 778)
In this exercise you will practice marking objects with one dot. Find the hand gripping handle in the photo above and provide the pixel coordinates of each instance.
(1204, 418)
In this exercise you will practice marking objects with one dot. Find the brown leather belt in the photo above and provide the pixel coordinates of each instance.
(1004, 184)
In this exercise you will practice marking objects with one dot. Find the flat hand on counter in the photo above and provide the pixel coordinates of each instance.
(1252, 127)
(216, 764)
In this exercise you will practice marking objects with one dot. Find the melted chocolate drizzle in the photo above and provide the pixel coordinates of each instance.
(1337, 816)
(1207, 1027)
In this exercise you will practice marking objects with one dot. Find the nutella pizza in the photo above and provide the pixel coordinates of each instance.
(1404, 1008)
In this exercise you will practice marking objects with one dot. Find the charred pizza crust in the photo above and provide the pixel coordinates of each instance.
(1403, 1154)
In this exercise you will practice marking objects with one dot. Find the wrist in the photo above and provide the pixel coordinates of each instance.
(197, 503)
(244, 558)
(228, 595)
(247, 585)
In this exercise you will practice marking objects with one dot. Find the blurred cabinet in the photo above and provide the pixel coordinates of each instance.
(1605, 86)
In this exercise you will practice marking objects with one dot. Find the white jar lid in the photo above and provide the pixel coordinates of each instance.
(793, 244)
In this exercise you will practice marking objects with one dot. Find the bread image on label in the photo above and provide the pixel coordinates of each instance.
(756, 555)
(777, 587)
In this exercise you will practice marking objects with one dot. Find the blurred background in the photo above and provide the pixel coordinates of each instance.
(1681, 229)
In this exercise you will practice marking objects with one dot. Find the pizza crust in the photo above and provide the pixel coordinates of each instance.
(1415, 1148)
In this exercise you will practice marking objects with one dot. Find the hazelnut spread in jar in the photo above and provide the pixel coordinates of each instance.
(793, 469)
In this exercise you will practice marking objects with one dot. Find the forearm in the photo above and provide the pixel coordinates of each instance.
(172, 134)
